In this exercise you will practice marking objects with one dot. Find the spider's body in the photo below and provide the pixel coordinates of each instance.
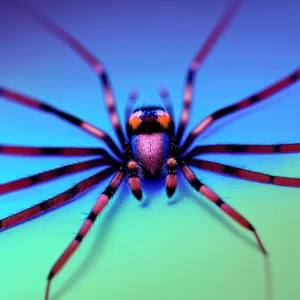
(150, 131)
(153, 145)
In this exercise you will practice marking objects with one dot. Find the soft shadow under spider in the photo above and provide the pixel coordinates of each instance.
(269, 290)
(97, 245)
(269, 287)
(224, 220)
(101, 237)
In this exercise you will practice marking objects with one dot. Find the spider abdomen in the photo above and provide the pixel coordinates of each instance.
(151, 151)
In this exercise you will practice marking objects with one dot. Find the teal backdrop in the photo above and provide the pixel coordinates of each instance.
(188, 250)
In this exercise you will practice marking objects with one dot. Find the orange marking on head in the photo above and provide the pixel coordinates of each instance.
(135, 122)
(164, 120)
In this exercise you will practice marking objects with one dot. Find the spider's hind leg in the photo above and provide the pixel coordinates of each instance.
(213, 197)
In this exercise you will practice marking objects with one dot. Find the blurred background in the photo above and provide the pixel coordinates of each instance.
(188, 250)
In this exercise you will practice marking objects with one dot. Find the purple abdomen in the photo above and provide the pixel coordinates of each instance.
(151, 151)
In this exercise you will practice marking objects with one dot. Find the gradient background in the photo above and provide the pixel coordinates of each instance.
(185, 251)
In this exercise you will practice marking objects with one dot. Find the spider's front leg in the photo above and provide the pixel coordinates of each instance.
(86, 226)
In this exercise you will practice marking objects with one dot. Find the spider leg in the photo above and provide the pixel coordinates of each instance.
(165, 97)
(198, 59)
(96, 210)
(90, 59)
(47, 151)
(212, 196)
(243, 173)
(134, 179)
(56, 201)
(36, 104)
(240, 105)
(133, 95)
(54, 173)
(171, 179)
(244, 148)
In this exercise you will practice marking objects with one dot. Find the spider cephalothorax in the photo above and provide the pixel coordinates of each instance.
(152, 147)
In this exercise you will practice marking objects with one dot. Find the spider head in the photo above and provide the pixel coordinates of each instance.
(150, 119)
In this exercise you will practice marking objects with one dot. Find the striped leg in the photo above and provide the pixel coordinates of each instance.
(243, 174)
(242, 104)
(171, 179)
(134, 179)
(90, 59)
(36, 104)
(244, 148)
(196, 62)
(165, 97)
(212, 196)
(96, 210)
(48, 151)
(133, 95)
(51, 174)
(56, 201)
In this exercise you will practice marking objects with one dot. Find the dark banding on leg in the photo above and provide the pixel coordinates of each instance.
(52, 174)
(36, 104)
(49, 151)
(240, 105)
(244, 148)
(96, 210)
(95, 64)
(171, 179)
(196, 62)
(134, 180)
(56, 201)
(212, 196)
(243, 173)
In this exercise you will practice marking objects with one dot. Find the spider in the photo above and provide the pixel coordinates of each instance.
(152, 146)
